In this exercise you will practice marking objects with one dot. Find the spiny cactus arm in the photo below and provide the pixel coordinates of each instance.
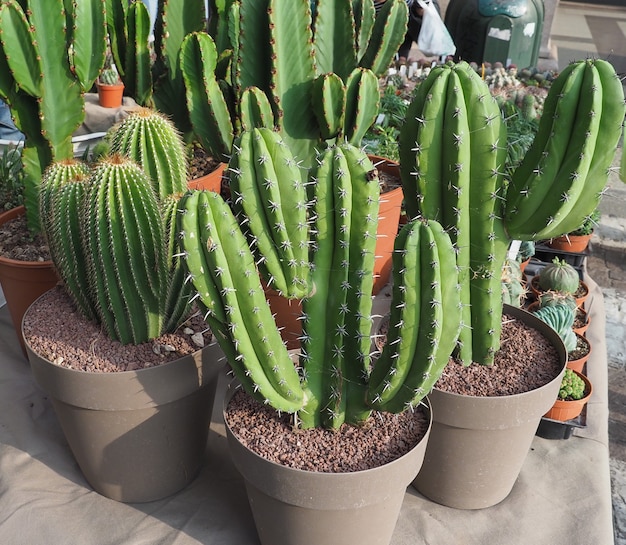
(175, 20)
(314, 306)
(124, 234)
(487, 243)
(364, 15)
(387, 36)
(420, 145)
(151, 140)
(334, 38)
(362, 104)
(270, 198)
(531, 181)
(88, 40)
(218, 23)
(255, 110)
(137, 75)
(292, 74)
(608, 136)
(570, 180)
(424, 323)
(208, 110)
(329, 104)
(358, 321)
(178, 302)
(217, 253)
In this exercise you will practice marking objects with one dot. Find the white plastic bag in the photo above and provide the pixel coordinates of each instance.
(434, 40)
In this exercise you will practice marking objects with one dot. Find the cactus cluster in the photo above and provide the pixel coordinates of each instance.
(572, 386)
(561, 319)
(51, 53)
(337, 379)
(452, 150)
(559, 276)
(289, 70)
(109, 76)
(111, 229)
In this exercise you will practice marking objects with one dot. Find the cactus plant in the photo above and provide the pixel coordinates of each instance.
(572, 386)
(513, 289)
(265, 37)
(109, 76)
(112, 230)
(555, 298)
(156, 84)
(51, 54)
(452, 157)
(559, 276)
(561, 319)
(334, 384)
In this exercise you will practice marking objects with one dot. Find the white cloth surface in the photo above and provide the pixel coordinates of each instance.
(562, 496)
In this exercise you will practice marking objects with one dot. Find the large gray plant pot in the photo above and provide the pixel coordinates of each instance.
(295, 507)
(137, 436)
(478, 445)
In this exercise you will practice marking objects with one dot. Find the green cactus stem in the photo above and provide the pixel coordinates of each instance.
(51, 52)
(559, 276)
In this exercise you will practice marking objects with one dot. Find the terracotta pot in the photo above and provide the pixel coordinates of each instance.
(524, 264)
(388, 222)
(478, 445)
(296, 507)
(579, 364)
(23, 281)
(584, 315)
(580, 298)
(567, 410)
(570, 243)
(137, 436)
(110, 96)
(211, 181)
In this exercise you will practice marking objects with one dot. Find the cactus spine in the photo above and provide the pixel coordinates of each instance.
(51, 53)
(549, 192)
(335, 359)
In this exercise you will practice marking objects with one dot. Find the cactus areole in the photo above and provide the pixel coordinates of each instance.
(452, 151)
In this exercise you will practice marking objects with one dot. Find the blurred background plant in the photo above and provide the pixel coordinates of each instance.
(11, 178)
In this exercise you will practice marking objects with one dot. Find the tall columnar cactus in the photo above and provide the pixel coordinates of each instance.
(51, 53)
(154, 84)
(335, 362)
(151, 140)
(277, 48)
(452, 164)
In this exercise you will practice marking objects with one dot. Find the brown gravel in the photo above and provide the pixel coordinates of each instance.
(17, 242)
(56, 331)
(383, 438)
(526, 360)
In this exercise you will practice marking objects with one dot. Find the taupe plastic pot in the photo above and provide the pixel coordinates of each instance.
(478, 445)
(137, 436)
(295, 507)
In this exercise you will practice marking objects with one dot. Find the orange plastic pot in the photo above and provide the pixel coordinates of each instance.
(567, 410)
(209, 182)
(578, 364)
(110, 96)
(570, 243)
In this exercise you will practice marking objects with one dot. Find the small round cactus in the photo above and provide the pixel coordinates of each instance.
(572, 386)
(559, 276)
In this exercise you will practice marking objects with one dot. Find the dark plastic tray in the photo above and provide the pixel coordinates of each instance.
(546, 254)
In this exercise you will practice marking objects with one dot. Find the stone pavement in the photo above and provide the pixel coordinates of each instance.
(606, 264)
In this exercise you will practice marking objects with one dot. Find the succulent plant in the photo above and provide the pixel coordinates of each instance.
(109, 76)
(572, 386)
(154, 84)
(559, 276)
(557, 298)
(333, 383)
(561, 319)
(112, 231)
(51, 53)
(288, 70)
(452, 157)
(513, 289)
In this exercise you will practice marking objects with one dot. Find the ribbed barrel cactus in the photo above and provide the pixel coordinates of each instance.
(51, 52)
(452, 152)
(559, 276)
(337, 379)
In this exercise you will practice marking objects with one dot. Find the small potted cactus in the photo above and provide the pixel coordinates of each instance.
(574, 394)
(136, 400)
(559, 276)
(110, 88)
